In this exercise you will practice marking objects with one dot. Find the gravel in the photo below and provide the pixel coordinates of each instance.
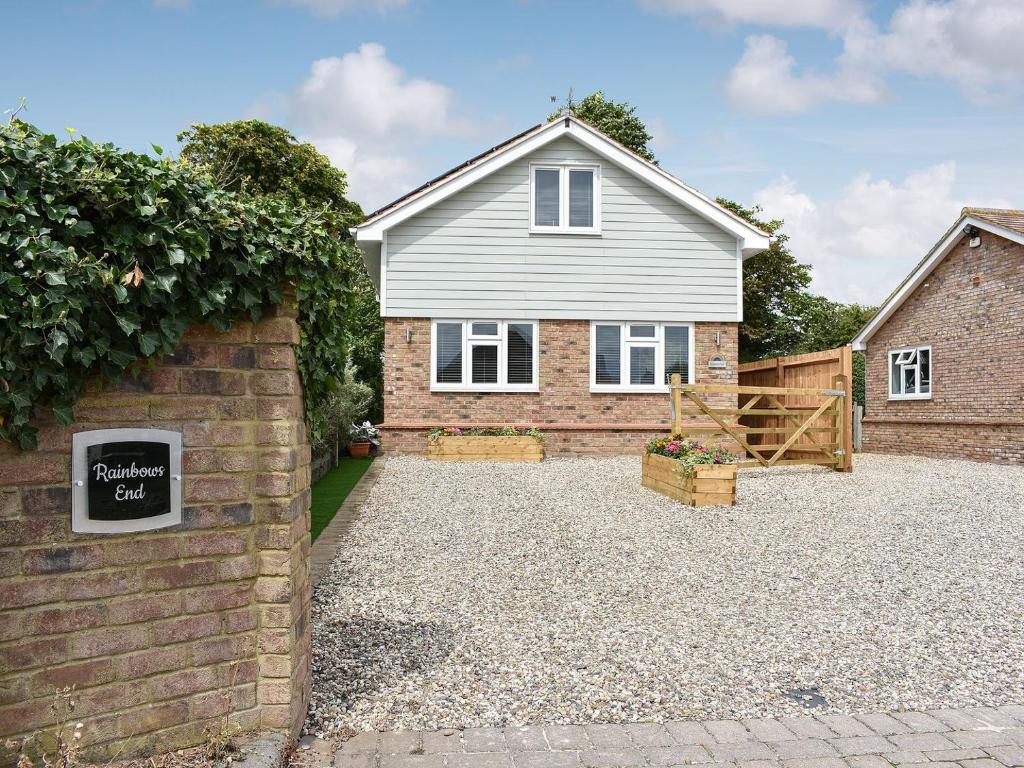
(481, 594)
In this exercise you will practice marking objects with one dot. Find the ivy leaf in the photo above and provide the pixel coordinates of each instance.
(55, 278)
(83, 227)
(126, 325)
(149, 343)
(176, 256)
(64, 414)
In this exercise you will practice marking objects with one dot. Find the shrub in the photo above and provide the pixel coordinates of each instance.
(111, 255)
(348, 405)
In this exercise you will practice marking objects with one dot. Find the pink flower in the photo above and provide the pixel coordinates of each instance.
(673, 447)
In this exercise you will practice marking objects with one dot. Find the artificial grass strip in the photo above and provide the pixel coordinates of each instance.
(332, 489)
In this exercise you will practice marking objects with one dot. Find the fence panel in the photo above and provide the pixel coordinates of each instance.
(815, 370)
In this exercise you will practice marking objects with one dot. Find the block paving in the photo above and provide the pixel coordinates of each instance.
(974, 737)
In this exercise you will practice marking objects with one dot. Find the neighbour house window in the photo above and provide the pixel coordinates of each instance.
(640, 356)
(484, 355)
(565, 198)
(910, 373)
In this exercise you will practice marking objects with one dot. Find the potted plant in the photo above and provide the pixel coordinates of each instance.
(689, 472)
(362, 437)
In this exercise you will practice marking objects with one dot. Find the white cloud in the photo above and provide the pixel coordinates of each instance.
(764, 81)
(864, 242)
(974, 44)
(366, 114)
(824, 14)
(330, 8)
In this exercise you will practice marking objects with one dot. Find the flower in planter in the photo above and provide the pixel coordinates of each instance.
(364, 433)
(689, 453)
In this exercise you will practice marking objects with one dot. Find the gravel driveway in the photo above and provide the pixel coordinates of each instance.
(472, 594)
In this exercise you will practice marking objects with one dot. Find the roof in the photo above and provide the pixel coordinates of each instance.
(1006, 223)
(1007, 218)
(754, 238)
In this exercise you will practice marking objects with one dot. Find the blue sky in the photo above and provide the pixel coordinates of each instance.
(865, 125)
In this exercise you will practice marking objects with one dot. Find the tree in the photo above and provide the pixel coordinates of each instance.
(257, 158)
(615, 119)
(263, 160)
(774, 293)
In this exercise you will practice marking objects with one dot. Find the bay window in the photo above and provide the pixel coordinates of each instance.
(639, 356)
(565, 199)
(484, 355)
(910, 373)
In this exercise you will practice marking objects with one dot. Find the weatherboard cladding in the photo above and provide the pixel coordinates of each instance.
(472, 254)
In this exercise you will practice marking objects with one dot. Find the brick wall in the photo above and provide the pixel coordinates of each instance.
(970, 309)
(170, 634)
(577, 421)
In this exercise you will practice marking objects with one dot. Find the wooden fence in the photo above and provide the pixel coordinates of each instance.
(821, 428)
(815, 370)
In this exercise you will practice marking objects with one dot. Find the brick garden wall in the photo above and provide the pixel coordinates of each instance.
(575, 420)
(970, 309)
(171, 634)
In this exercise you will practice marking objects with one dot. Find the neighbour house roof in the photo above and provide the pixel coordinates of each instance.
(754, 239)
(1006, 223)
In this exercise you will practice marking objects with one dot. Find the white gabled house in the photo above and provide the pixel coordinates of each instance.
(557, 279)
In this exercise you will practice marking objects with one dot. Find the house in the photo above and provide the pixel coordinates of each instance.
(945, 352)
(556, 280)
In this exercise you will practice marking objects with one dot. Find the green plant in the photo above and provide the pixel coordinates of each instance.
(364, 433)
(111, 255)
(350, 403)
(689, 453)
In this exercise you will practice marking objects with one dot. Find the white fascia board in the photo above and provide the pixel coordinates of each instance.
(752, 240)
(939, 252)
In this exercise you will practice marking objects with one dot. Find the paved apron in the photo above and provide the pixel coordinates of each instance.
(977, 737)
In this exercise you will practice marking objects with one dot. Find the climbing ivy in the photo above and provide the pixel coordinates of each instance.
(106, 257)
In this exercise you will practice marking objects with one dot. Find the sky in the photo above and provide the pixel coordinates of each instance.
(866, 126)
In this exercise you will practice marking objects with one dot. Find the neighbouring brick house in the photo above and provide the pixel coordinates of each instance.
(556, 280)
(945, 352)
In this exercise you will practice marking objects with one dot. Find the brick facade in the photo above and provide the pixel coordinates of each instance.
(172, 634)
(575, 420)
(970, 309)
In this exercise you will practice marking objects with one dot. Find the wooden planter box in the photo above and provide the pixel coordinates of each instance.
(712, 484)
(485, 448)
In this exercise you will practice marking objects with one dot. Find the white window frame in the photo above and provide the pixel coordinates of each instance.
(917, 376)
(469, 341)
(563, 227)
(626, 343)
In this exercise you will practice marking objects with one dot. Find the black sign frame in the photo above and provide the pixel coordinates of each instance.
(125, 480)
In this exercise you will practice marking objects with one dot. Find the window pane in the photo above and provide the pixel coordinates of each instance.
(925, 358)
(641, 365)
(520, 353)
(894, 375)
(641, 332)
(545, 194)
(581, 198)
(677, 352)
(607, 356)
(485, 329)
(449, 353)
(485, 364)
(909, 376)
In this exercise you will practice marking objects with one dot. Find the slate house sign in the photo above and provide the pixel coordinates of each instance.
(125, 480)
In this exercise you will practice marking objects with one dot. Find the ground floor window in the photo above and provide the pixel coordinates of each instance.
(910, 373)
(639, 356)
(484, 355)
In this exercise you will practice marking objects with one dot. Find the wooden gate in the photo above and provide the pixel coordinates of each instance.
(818, 430)
(814, 370)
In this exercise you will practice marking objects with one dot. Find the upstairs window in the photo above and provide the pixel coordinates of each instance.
(565, 198)
(639, 357)
(484, 356)
(910, 373)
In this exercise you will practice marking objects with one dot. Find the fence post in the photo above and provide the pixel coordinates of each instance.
(844, 382)
(858, 418)
(677, 403)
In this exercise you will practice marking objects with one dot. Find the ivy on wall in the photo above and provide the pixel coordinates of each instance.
(106, 258)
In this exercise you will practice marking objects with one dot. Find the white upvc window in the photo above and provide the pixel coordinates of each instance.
(638, 356)
(484, 356)
(910, 373)
(565, 198)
